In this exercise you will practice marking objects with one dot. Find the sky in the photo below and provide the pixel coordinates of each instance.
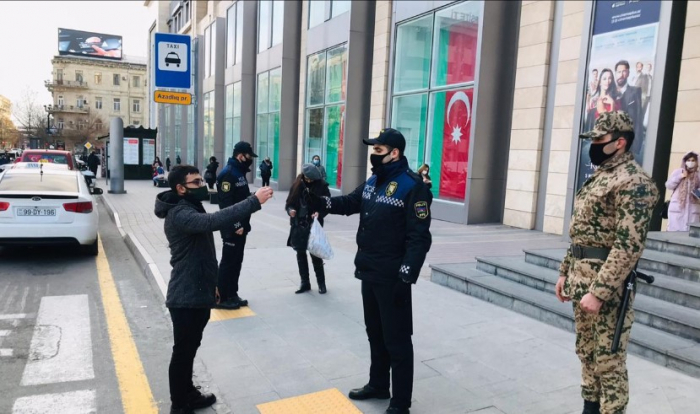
(30, 33)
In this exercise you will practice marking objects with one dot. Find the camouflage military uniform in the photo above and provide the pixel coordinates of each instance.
(612, 210)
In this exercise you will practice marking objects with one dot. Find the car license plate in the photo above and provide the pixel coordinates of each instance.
(36, 211)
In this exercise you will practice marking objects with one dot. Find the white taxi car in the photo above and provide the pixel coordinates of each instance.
(42, 205)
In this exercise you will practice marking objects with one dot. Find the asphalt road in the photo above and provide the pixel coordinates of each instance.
(65, 318)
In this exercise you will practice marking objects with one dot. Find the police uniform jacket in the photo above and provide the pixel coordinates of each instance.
(232, 186)
(612, 210)
(394, 234)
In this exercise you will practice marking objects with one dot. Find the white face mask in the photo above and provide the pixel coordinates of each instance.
(690, 164)
(425, 172)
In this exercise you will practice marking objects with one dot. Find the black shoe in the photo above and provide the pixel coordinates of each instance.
(304, 287)
(367, 392)
(183, 410)
(397, 410)
(200, 400)
(322, 289)
(591, 407)
(228, 304)
(240, 301)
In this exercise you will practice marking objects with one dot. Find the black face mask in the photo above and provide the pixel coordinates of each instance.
(597, 155)
(377, 161)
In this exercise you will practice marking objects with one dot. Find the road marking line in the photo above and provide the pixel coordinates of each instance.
(6, 352)
(10, 316)
(135, 391)
(61, 347)
(330, 401)
(4, 332)
(222, 314)
(75, 402)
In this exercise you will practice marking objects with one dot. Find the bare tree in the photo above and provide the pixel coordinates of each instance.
(9, 136)
(88, 128)
(30, 117)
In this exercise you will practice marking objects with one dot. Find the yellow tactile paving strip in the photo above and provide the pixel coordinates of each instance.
(323, 402)
(225, 314)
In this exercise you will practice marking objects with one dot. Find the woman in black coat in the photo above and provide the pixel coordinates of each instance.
(210, 173)
(301, 217)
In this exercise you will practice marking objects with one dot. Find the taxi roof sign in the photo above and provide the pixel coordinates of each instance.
(177, 98)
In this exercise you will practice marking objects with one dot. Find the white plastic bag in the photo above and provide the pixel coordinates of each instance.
(318, 242)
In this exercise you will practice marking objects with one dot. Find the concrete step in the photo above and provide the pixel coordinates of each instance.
(661, 347)
(679, 243)
(695, 230)
(682, 267)
(664, 315)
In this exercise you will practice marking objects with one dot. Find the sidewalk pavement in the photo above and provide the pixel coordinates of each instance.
(470, 356)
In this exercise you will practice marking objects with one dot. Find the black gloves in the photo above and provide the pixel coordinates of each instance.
(402, 293)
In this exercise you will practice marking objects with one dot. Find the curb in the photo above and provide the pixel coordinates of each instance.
(144, 260)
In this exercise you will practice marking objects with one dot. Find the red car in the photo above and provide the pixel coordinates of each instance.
(49, 156)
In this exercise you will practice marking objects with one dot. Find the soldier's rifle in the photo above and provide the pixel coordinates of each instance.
(630, 284)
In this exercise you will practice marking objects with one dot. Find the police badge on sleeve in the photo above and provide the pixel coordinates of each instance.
(421, 208)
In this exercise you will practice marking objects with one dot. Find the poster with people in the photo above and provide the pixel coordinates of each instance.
(620, 70)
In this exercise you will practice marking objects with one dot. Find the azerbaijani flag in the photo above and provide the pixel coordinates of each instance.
(452, 111)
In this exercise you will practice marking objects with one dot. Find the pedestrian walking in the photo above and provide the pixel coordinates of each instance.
(684, 207)
(178, 160)
(192, 287)
(424, 172)
(266, 171)
(393, 240)
(167, 163)
(316, 160)
(93, 162)
(301, 216)
(608, 232)
(210, 174)
(232, 188)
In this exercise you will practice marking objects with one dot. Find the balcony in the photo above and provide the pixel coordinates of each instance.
(71, 109)
(60, 84)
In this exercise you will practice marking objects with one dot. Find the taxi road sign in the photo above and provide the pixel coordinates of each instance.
(177, 98)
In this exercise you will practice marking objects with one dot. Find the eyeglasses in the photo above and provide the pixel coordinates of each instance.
(196, 182)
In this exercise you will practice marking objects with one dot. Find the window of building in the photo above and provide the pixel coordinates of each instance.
(60, 101)
(115, 79)
(239, 34)
(210, 50)
(269, 93)
(81, 125)
(79, 76)
(59, 75)
(232, 129)
(79, 102)
(209, 112)
(98, 78)
(98, 125)
(325, 110)
(60, 124)
(322, 11)
(188, 10)
(166, 129)
(137, 122)
(270, 18)
(435, 61)
(136, 107)
(136, 81)
(98, 102)
(117, 107)
(231, 35)
(190, 155)
(177, 130)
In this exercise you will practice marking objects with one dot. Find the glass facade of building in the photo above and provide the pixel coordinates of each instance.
(209, 111)
(269, 95)
(232, 127)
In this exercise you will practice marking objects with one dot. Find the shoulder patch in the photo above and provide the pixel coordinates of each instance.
(391, 188)
(421, 208)
(225, 186)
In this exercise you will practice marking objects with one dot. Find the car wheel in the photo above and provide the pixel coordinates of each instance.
(91, 249)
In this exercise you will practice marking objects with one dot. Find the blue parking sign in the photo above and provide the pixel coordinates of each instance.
(173, 61)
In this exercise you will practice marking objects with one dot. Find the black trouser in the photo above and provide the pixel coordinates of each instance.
(188, 326)
(210, 184)
(265, 180)
(303, 262)
(389, 330)
(94, 170)
(230, 267)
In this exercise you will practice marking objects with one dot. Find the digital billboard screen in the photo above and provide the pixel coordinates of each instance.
(80, 43)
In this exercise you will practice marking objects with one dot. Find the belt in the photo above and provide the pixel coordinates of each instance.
(585, 252)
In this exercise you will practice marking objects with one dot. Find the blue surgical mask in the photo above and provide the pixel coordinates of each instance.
(317, 162)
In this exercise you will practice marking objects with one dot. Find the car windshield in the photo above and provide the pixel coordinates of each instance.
(51, 158)
(39, 182)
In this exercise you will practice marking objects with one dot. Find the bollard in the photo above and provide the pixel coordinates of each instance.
(116, 168)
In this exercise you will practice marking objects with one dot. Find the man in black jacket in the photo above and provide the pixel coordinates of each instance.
(93, 161)
(192, 287)
(266, 171)
(393, 240)
(232, 186)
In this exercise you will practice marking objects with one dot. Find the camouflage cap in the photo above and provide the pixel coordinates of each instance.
(615, 121)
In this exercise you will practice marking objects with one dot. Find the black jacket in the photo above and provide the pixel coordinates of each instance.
(265, 169)
(210, 174)
(93, 161)
(300, 224)
(232, 186)
(189, 229)
(394, 234)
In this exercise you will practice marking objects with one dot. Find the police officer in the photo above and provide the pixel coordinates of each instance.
(392, 240)
(232, 187)
(608, 232)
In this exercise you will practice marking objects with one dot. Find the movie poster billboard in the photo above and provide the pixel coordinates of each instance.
(620, 70)
(80, 43)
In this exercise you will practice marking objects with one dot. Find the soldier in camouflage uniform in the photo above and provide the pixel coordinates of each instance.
(608, 231)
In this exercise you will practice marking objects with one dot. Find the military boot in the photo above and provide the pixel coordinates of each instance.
(320, 275)
(591, 407)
